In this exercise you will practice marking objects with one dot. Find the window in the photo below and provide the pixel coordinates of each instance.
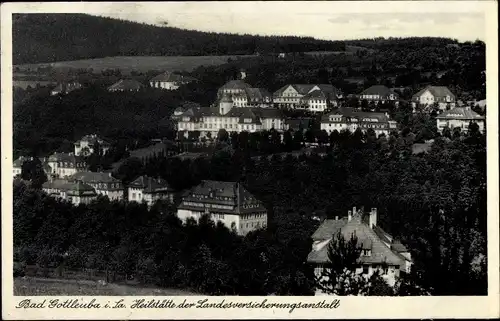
(365, 269)
(367, 252)
(133, 196)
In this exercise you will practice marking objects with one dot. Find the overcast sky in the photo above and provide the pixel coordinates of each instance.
(462, 20)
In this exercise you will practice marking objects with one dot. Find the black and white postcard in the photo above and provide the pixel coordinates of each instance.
(250, 160)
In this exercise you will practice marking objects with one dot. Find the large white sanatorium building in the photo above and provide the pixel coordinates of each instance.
(226, 202)
(352, 119)
(232, 119)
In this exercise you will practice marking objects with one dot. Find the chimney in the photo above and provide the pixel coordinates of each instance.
(349, 215)
(373, 217)
(354, 210)
(336, 218)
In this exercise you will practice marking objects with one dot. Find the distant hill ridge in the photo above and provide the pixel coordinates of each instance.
(44, 38)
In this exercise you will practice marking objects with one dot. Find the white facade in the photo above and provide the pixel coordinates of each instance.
(211, 120)
(16, 171)
(434, 94)
(85, 146)
(290, 98)
(339, 122)
(168, 85)
(139, 195)
(458, 123)
(241, 223)
(460, 117)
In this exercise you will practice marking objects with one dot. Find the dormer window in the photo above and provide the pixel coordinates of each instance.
(367, 252)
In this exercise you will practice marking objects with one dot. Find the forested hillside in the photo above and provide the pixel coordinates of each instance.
(41, 38)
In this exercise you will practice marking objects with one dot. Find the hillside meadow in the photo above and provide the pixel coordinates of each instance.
(138, 64)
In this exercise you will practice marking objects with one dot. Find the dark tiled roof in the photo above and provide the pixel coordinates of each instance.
(20, 161)
(352, 112)
(93, 177)
(245, 112)
(80, 189)
(65, 157)
(171, 77)
(398, 247)
(223, 193)
(255, 94)
(92, 140)
(150, 185)
(367, 237)
(236, 84)
(302, 89)
(378, 90)
(328, 228)
(436, 91)
(126, 84)
(60, 184)
(464, 113)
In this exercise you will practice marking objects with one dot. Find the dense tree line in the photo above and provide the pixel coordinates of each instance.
(156, 248)
(461, 68)
(434, 203)
(44, 124)
(94, 37)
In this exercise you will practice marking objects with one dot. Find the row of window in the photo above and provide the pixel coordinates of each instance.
(252, 225)
(107, 185)
(251, 205)
(254, 216)
(69, 164)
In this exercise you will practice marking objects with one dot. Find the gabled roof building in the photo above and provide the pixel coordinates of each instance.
(230, 118)
(76, 192)
(314, 97)
(378, 93)
(148, 189)
(379, 250)
(227, 202)
(435, 94)
(66, 164)
(126, 85)
(87, 145)
(65, 88)
(460, 117)
(351, 119)
(103, 183)
(236, 86)
(170, 81)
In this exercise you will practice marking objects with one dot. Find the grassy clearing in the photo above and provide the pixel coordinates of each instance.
(140, 63)
(40, 286)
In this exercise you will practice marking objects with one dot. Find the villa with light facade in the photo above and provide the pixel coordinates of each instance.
(170, 81)
(232, 119)
(434, 94)
(149, 190)
(352, 119)
(379, 94)
(75, 192)
(88, 143)
(379, 250)
(460, 117)
(66, 164)
(226, 202)
(103, 183)
(313, 97)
